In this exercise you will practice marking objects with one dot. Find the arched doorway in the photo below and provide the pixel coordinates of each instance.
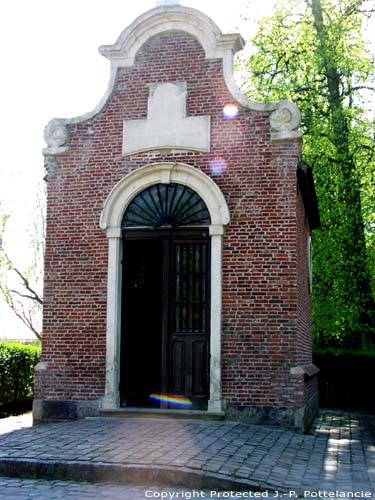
(162, 242)
(165, 334)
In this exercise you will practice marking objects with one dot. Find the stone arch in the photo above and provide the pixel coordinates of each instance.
(165, 173)
(114, 207)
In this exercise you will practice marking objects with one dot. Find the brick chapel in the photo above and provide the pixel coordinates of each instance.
(179, 220)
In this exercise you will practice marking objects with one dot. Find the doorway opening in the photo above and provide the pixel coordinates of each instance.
(165, 338)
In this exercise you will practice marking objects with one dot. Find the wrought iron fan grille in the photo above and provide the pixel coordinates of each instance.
(166, 205)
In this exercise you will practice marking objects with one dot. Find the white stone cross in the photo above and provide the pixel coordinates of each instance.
(167, 125)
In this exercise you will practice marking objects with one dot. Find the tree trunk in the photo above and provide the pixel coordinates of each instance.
(354, 245)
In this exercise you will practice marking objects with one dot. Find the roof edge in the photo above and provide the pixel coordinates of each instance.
(307, 187)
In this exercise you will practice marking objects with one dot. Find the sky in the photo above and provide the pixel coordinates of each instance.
(51, 68)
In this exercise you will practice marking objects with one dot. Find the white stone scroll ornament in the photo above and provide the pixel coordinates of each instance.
(285, 121)
(56, 136)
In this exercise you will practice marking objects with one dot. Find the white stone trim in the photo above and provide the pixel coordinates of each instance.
(111, 218)
(172, 18)
(41, 366)
(179, 173)
(285, 117)
(215, 401)
(111, 398)
(310, 370)
(51, 149)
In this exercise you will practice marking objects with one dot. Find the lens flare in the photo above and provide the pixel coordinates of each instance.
(230, 111)
(218, 166)
(180, 401)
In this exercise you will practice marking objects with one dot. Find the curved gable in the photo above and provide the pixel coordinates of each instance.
(284, 116)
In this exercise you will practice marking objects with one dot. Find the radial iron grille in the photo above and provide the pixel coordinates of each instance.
(166, 205)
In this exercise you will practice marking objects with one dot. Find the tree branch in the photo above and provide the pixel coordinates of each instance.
(25, 296)
(25, 281)
(359, 87)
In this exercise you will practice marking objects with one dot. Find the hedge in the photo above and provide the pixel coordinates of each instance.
(346, 379)
(17, 362)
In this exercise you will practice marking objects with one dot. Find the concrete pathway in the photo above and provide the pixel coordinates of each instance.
(336, 458)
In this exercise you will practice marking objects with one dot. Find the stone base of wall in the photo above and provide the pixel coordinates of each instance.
(299, 419)
(46, 410)
(305, 416)
(261, 415)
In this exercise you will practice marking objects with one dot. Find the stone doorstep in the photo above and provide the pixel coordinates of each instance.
(161, 413)
(98, 472)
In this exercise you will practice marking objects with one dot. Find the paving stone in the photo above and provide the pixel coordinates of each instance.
(330, 455)
(14, 489)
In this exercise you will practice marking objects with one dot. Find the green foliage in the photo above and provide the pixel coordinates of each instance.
(344, 378)
(17, 362)
(330, 351)
(313, 53)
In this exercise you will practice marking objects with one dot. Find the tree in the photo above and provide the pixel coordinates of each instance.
(313, 52)
(21, 289)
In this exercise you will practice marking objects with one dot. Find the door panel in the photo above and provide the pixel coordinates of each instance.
(177, 363)
(200, 368)
(189, 313)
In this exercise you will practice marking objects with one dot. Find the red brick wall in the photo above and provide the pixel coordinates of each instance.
(304, 301)
(304, 295)
(262, 309)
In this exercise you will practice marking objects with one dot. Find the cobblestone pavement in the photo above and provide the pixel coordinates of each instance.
(39, 489)
(337, 456)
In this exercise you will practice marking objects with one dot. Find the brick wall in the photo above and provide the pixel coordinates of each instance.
(304, 310)
(304, 295)
(265, 329)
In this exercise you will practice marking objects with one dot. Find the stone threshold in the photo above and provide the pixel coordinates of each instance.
(162, 413)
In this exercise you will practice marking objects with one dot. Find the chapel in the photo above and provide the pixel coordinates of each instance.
(178, 248)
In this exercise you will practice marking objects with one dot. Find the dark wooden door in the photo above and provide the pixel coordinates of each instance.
(165, 319)
(189, 321)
